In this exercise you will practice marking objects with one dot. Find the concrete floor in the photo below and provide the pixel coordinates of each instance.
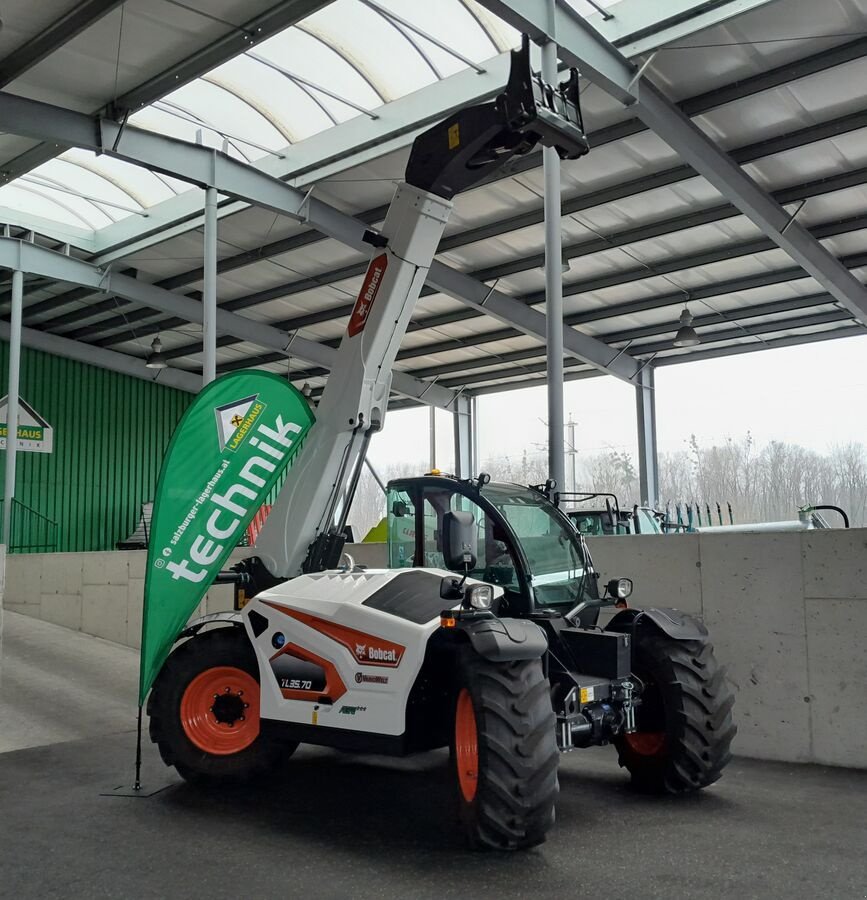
(339, 826)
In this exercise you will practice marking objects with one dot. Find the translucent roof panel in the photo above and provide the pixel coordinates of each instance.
(345, 60)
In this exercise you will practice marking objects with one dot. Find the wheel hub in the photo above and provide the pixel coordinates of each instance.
(219, 710)
(229, 707)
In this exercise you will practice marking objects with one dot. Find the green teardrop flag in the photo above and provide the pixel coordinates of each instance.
(227, 453)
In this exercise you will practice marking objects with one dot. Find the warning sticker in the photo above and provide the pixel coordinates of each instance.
(587, 694)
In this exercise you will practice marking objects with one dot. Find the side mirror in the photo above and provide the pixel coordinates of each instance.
(459, 540)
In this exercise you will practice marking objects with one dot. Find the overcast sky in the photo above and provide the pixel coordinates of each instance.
(814, 395)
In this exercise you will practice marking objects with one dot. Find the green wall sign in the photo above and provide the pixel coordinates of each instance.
(228, 451)
(35, 435)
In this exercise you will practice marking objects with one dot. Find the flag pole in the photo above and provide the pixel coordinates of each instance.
(137, 785)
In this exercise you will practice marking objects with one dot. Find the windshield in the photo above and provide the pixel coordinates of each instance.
(549, 542)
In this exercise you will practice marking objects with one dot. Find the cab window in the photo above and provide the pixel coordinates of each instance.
(401, 530)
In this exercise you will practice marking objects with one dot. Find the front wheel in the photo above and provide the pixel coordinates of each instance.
(684, 720)
(504, 753)
(204, 710)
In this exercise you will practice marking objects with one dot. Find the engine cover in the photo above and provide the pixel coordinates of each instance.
(343, 649)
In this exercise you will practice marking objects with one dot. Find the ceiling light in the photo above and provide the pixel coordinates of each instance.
(686, 335)
(155, 359)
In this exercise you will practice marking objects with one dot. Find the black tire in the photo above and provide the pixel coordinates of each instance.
(222, 647)
(516, 785)
(687, 703)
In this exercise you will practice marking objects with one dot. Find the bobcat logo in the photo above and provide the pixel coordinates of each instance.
(361, 650)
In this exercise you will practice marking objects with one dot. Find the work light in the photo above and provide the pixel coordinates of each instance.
(480, 596)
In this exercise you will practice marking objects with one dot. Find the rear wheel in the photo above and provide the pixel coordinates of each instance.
(684, 721)
(204, 710)
(504, 753)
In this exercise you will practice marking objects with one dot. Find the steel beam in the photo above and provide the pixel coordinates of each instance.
(710, 353)
(582, 46)
(392, 132)
(648, 458)
(782, 143)
(636, 26)
(53, 36)
(574, 250)
(534, 363)
(104, 359)
(824, 230)
(12, 396)
(210, 168)
(32, 258)
(280, 16)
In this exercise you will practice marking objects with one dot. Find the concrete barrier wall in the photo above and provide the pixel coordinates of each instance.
(787, 614)
(98, 593)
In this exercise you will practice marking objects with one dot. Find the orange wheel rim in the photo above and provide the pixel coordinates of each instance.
(647, 743)
(467, 746)
(220, 710)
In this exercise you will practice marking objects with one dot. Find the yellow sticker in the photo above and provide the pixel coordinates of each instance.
(315, 717)
(454, 135)
(585, 695)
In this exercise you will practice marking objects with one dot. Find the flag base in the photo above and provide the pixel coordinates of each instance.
(130, 790)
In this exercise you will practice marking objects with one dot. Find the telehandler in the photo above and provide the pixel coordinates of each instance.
(482, 636)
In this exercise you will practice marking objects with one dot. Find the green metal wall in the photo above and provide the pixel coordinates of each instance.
(110, 432)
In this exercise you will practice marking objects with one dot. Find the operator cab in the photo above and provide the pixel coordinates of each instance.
(524, 543)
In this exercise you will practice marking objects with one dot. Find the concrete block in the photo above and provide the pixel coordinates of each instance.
(104, 611)
(754, 609)
(23, 581)
(61, 573)
(220, 598)
(136, 560)
(835, 563)
(372, 555)
(135, 605)
(62, 609)
(838, 675)
(665, 568)
(105, 568)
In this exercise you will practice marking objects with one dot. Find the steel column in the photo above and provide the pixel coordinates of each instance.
(12, 401)
(432, 434)
(209, 298)
(465, 443)
(553, 286)
(648, 463)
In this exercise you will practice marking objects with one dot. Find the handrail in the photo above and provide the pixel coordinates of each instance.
(30, 530)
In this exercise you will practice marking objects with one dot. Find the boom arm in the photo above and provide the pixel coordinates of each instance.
(356, 395)
(303, 530)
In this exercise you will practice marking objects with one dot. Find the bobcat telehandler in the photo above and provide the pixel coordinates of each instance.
(482, 637)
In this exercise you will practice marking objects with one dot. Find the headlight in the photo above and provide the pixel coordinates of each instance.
(620, 588)
(480, 596)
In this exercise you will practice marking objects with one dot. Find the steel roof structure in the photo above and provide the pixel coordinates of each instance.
(311, 108)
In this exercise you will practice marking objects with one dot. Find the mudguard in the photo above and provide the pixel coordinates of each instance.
(502, 640)
(673, 622)
(233, 617)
